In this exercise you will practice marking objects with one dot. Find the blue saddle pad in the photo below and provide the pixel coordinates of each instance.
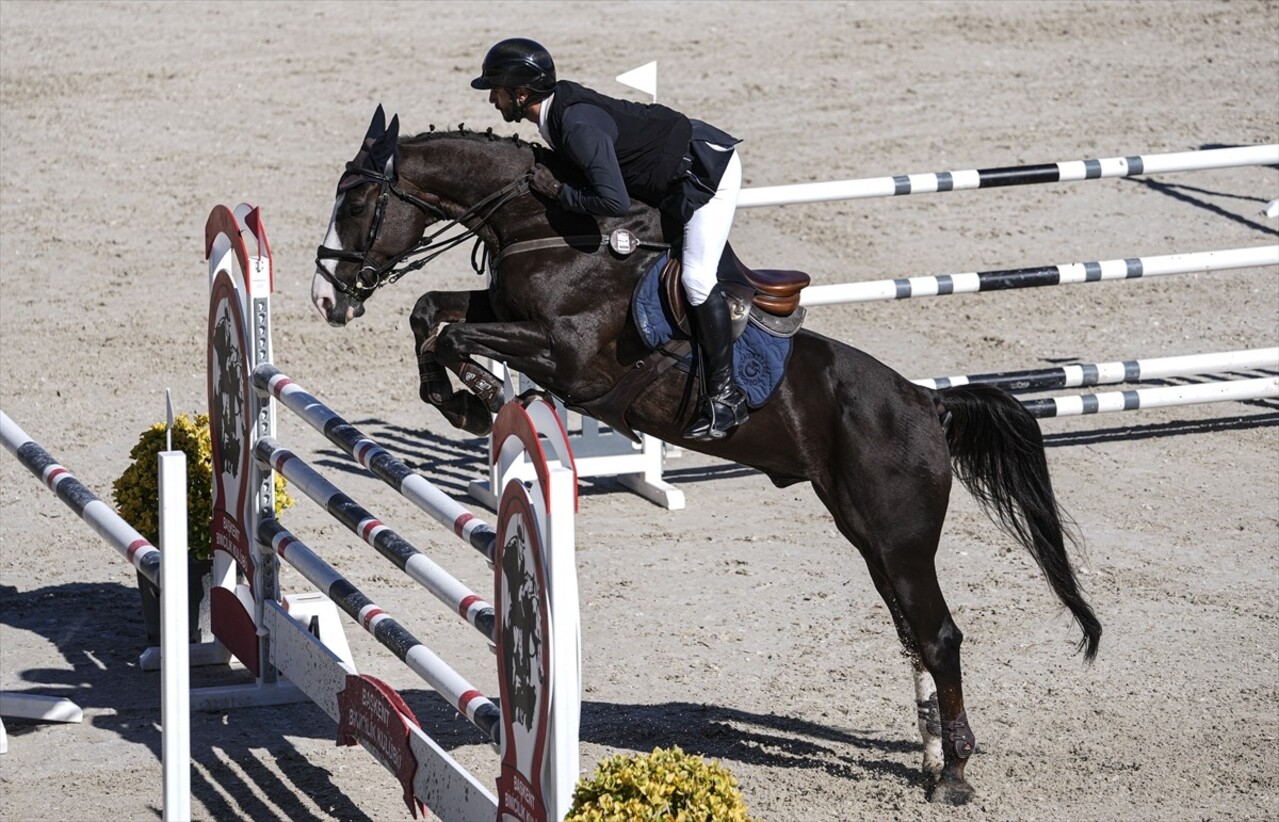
(759, 358)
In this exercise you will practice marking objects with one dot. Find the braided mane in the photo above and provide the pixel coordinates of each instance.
(467, 134)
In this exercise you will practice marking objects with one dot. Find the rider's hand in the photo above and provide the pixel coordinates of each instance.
(544, 182)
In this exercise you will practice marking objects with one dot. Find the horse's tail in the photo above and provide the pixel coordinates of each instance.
(998, 453)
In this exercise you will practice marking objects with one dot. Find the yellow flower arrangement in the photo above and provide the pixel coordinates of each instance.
(137, 491)
(667, 785)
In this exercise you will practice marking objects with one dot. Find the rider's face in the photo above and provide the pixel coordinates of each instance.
(503, 101)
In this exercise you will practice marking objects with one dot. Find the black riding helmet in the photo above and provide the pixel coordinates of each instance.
(517, 62)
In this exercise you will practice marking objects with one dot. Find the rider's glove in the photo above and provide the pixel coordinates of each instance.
(544, 182)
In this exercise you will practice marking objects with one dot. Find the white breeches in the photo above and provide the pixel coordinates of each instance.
(707, 232)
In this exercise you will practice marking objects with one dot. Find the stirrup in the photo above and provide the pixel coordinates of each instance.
(717, 418)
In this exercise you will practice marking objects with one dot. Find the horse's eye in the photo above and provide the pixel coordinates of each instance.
(357, 209)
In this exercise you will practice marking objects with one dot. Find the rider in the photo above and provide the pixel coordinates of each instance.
(687, 169)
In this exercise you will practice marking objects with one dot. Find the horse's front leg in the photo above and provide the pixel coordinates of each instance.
(433, 311)
(521, 346)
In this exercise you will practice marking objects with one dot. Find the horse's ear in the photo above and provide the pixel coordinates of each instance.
(386, 149)
(376, 153)
(392, 146)
(376, 128)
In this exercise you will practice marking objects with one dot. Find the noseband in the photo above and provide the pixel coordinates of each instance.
(373, 275)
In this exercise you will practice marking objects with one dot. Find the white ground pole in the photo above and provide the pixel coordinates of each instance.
(175, 662)
(39, 708)
(31, 706)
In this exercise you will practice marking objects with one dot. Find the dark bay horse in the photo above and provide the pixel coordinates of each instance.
(879, 451)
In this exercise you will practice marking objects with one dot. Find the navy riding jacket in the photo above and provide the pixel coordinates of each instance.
(627, 149)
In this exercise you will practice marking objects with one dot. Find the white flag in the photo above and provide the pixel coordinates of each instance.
(643, 78)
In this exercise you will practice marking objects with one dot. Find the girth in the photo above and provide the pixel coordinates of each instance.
(612, 405)
(621, 241)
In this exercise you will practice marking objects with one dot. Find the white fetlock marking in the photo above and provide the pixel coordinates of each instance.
(934, 760)
(926, 693)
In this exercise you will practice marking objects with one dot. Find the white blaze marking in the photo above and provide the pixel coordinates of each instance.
(321, 289)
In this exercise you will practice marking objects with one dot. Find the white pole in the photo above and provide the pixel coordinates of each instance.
(1162, 397)
(175, 695)
(969, 179)
(973, 282)
(1110, 373)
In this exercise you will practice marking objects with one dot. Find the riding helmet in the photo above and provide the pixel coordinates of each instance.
(517, 62)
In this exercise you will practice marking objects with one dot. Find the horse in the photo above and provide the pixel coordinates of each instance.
(879, 451)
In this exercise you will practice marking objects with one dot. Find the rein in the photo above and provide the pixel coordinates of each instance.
(373, 276)
(429, 247)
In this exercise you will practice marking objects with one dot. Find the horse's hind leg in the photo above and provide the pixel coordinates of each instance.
(926, 710)
(897, 526)
(937, 639)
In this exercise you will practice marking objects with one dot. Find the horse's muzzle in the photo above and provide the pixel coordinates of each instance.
(342, 312)
(337, 308)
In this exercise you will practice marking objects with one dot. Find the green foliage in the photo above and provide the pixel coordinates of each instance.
(666, 785)
(137, 491)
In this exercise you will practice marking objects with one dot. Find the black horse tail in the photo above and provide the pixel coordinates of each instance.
(998, 453)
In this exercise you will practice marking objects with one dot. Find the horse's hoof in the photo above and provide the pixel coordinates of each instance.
(435, 391)
(533, 395)
(481, 425)
(464, 411)
(951, 791)
(474, 418)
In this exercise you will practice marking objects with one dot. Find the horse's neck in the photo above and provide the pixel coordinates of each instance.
(463, 172)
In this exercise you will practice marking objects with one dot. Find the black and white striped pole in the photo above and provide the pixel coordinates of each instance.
(973, 282)
(1076, 170)
(1076, 375)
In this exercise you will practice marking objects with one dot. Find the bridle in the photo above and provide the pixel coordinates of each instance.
(373, 275)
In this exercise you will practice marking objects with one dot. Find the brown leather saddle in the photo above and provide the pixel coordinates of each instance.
(773, 291)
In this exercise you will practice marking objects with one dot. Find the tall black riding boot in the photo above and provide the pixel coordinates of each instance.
(723, 405)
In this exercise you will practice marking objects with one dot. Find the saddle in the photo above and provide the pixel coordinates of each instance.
(773, 291)
(766, 314)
